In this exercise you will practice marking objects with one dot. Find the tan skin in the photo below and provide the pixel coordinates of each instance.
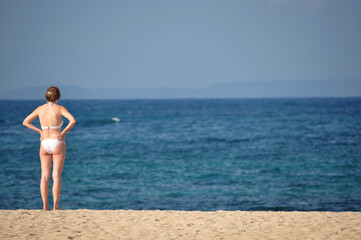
(51, 116)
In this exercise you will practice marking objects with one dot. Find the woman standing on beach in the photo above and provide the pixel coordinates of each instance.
(52, 145)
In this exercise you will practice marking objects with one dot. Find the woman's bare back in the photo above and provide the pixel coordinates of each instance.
(50, 115)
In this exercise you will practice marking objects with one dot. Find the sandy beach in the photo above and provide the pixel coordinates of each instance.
(130, 224)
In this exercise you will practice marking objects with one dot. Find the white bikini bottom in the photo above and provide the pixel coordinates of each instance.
(50, 144)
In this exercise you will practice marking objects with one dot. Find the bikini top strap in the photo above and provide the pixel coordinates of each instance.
(53, 127)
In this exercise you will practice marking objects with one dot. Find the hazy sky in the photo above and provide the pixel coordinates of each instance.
(172, 43)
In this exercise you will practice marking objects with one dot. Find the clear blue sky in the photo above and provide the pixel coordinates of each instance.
(195, 43)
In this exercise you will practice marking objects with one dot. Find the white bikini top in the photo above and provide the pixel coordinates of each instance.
(53, 127)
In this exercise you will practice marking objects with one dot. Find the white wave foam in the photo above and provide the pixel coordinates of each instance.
(115, 119)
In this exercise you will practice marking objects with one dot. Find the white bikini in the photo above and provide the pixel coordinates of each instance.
(50, 144)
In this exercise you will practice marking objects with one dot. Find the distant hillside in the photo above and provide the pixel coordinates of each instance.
(265, 89)
(295, 88)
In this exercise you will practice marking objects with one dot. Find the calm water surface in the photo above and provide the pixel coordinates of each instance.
(221, 154)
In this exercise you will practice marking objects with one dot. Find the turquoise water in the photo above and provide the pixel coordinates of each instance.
(224, 154)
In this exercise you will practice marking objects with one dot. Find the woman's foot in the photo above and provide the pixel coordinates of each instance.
(46, 207)
(57, 208)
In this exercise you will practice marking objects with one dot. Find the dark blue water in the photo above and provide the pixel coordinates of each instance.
(231, 154)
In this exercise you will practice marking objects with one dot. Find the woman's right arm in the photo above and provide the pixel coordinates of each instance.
(27, 121)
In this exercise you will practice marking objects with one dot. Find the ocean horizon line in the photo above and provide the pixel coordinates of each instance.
(190, 98)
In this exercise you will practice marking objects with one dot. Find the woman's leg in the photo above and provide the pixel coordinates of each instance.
(58, 164)
(45, 160)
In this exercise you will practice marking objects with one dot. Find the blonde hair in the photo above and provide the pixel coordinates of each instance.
(52, 94)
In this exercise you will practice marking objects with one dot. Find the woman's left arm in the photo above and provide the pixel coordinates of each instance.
(71, 124)
(30, 118)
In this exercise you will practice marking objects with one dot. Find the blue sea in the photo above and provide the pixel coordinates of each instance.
(285, 154)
